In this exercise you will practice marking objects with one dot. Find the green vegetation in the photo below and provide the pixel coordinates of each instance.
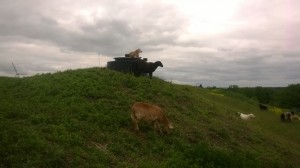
(81, 118)
(285, 97)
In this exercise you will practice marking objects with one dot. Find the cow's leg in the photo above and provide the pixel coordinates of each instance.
(150, 75)
(160, 130)
(134, 123)
(157, 126)
(135, 126)
(289, 117)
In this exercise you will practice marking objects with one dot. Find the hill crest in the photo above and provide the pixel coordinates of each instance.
(82, 118)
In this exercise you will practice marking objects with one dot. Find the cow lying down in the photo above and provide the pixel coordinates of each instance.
(150, 113)
(246, 116)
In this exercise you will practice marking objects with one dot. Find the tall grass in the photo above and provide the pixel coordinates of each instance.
(81, 118)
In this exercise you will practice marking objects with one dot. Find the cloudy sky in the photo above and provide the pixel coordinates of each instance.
(213, 42)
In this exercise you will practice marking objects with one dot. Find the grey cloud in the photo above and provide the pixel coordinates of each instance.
(249, 70)
(105, 35)
(261, 46)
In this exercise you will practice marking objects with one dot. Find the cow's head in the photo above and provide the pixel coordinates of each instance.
(170, 125)
(158, 63)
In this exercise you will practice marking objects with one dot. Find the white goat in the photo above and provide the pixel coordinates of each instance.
(246, 116)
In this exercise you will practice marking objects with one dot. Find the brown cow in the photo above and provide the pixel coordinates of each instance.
(150, 113)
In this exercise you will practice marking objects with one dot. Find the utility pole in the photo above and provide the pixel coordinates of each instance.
(17, 74)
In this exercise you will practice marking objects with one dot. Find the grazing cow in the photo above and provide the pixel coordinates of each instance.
(246, 116)
(263, 107)
(150, 113)
(141, 66)
(286, 116)
(134, 54)
(289, 116)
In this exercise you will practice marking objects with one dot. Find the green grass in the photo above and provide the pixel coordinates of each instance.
(81, 118)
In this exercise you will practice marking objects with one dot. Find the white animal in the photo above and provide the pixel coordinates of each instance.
(135, 54)
(246, 116)
(295, 117)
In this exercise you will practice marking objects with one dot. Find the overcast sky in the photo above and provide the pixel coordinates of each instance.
(213, 42)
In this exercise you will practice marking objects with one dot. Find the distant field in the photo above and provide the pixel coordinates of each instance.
(81, 118)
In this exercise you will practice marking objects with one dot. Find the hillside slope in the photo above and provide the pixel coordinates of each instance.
(81, 118)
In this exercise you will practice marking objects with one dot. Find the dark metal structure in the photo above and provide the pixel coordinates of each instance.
(122, 64)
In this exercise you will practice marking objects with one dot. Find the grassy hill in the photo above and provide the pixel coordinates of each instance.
(81, 118)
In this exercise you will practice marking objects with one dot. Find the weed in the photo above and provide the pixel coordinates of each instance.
(81, 118)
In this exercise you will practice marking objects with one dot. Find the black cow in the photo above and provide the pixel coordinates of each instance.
(263, 107)
(141, 66)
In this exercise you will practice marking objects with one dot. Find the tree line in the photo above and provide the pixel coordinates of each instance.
(284, 97)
